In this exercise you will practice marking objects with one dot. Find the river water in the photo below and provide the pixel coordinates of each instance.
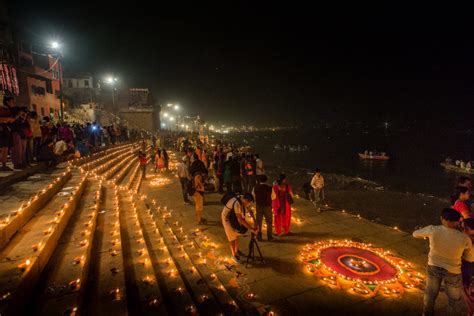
(415, 155)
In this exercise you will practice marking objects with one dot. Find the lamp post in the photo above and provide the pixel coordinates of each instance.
(112, 81)
(57, 47)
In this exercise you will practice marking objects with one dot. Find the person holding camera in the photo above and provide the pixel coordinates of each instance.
(234, 222)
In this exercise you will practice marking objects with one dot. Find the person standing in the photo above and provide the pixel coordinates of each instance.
(459, 201)
(235, 174)
(220, 162)
(317, 183)
(467, 269)
(159, 161)
(18, 136)
(199, 196)
(259, 167)
(184, 178)
(6, 117)
(448, 246)
(263, 200)
(143, 162)
(282, 197)
(36, 130)
(166, 159)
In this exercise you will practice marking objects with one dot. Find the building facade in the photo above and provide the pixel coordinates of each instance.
(8, 71)
(39, 79)
(80, 90)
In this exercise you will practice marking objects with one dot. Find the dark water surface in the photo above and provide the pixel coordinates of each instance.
(415, 155)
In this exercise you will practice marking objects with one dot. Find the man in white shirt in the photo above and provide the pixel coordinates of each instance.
(448, 246)
(317, 183)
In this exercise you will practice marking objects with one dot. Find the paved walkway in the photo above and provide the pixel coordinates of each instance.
(281, 285)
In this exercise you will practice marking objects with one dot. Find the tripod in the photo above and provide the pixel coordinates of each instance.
(252, 245)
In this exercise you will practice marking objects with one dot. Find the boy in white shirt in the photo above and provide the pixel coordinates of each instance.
(448, 246)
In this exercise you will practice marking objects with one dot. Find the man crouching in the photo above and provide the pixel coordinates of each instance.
(233, 216)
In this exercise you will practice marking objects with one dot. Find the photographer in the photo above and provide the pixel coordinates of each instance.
(18, 127)
(238, 206)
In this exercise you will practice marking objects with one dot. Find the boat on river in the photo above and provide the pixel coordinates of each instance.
(368, 156)
(454, 168)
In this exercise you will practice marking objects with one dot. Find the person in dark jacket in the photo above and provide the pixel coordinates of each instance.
(263, 200)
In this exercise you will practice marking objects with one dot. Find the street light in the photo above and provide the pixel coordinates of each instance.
(171, 118)
(165, 114)
(56, 46)
(170, 105)
(176, 107)
(111, 81)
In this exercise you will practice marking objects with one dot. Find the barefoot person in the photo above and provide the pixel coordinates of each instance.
(282, 197)
(239, 207)
(317, 183)
(448, 246)
(199, 195)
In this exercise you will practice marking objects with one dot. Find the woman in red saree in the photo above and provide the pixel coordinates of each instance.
(282, 197)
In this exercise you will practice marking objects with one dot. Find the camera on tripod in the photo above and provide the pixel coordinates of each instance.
(252, 245)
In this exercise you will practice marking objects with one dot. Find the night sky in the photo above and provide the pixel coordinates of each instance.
(271, 64)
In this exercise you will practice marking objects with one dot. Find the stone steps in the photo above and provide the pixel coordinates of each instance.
(26, 255)
(67, 270)
(205, 285)
(36, 228)
(106, 249)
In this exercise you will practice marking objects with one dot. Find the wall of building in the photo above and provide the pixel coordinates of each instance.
(38, 79)
(81, 83)
(141, 119)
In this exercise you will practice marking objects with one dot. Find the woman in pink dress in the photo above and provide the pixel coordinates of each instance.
(282, 198)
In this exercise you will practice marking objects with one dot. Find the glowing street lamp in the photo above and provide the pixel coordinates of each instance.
(176, 107)
(111, 81)
(165, 114)
(55, 45)
(169, 105)
(171, 118)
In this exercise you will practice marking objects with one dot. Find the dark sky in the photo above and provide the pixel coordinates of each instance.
(273, 64)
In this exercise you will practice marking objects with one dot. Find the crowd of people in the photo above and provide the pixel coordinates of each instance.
(451, 257)
(26, 138)
(241, 178)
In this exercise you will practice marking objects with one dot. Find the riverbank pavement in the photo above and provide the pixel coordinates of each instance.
(282, 285)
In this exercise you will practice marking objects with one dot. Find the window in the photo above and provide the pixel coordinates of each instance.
(86, 83)
(34, 107)
(38, 90)
(42, 111)
(58, 94)
(51, 110)
(49, 86)
(69, 83)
